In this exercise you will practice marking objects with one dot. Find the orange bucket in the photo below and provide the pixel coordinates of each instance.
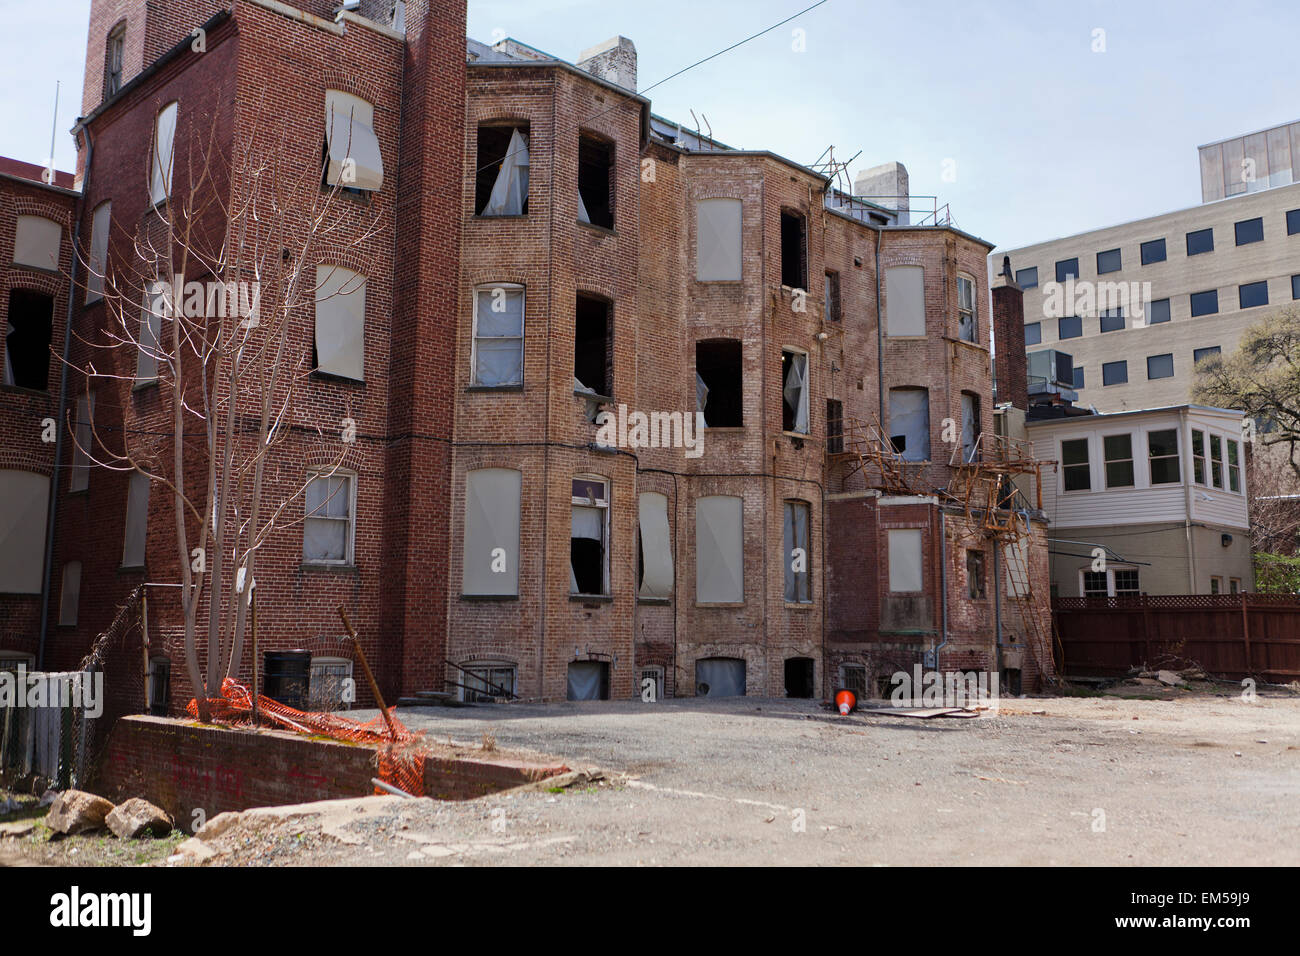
(846, 701)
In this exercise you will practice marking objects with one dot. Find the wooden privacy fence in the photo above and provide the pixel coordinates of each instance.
(1227, 635)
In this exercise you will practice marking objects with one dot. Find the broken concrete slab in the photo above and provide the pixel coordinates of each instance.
(76, 811)
(17, 828)
(1169, 679)
(193, 850)
(137, 817)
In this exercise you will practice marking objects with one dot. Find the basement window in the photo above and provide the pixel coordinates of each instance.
(325, 688)
(589, 538)
(328, 530)
(352, 157)
(975, 575)
(720, 677)
(654, 547)
(485, 682)
(490, 555)
(717, 240)
(832, 304)
(797, 556)
(137, 520)
(36, 242)
(794, 408)
(909, 423)
(719, 547)
(834, 426)
(905, 560)
(498, 350)
(853, 677)
(70, 595)
(593, 346)
(966, 311)
(340, 322)
(24, 500)
(27, 339)
(588, 680)
(501, 180)
(794, 250)
(160, 177)
(595, 182)
(799, 677)
(718, 380)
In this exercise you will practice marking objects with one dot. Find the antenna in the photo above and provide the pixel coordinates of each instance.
(48, 175)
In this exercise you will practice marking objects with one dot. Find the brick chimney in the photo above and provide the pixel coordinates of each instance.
(613, 61)
(1010, 369)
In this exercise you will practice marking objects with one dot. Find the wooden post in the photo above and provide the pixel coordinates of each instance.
(365, 666)
(252, 600)
(1245, 632)
(144, 644)
(1146, 631)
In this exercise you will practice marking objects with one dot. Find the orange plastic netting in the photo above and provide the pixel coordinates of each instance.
(400, 751)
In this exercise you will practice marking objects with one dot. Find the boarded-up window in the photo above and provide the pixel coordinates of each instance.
(81, 448)
(588, 680)
(147, 344)
(70, 596)
(656, 567)
(905, 300)
(24, 499)
(797, 556)
(905, 560)
(491, 545)
(498, 357)
(36, 242)
(720, 677)
(99, 229)
(909, 423)
(137, 520)
(719, 546)
(717, 240)
(327, 529)
(160, 179)
(353, 160)
(340, 322)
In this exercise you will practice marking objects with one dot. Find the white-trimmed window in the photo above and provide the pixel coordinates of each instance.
(1198, 456)
(70, 594)
(137, 520)
(1162, 449)
(719, 550)
(100, 225)
(487, 680)
(24, 500)
(589, 537)
(36, 242)
(905, 560)
(1076, 470)
(655, 553)
(967, 313)
(798, 553)
(1216, 461)
(490, 552)
(80, 479)
(351, 147)
(329, 528)
(498, 349)
(718, 240)
(1115, 581)
(1234, 466)
(1117, 455)
(905, 300)
(794, 394)
(341, 322)
(160, 176)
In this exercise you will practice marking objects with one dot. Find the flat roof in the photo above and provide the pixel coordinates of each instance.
(1134, 411)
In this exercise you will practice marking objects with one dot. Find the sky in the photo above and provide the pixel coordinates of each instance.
(1030, 119)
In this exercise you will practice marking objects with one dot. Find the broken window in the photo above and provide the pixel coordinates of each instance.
(720, 677)
(718, 374)
(798, 555)
(588, 680)
(24, 499)
(137, 519)
(1075, 469)
(595, 181)
(655, 555)
(832, 303)
(498, 349)
(327, 530)
(27, 339)
(501, 180)
(794, 410)
(717, 240)
(160, 178)
(490, 553)
(70, 596)
(719, 550)
(905, 300)
(1163, 448)
(909, 423)
(36, 242)
(905, 560)
(966, 312)
(970, 427)
(99, 229)
(113, 56)
(975, 574)
(486, 682)
(794, 250)
(352, 157)
(147, 344)
(82, 435)
(340, 322)
(799, 677)
(834, 426)
(589, 537)
(593, 346)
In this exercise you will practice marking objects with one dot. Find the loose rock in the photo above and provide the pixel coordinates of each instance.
(76, 811)
(137, 817)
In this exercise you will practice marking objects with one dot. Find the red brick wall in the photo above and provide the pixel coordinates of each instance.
(1009, 326)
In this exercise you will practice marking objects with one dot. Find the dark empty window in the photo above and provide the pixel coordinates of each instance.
(1069, 327)
(1109, 261)
(1163, 451)
(1033, 333)
(1027, 278)
(501, 179)
(832, 302)
(1160, 366)
(1078, 376)
(1158, 311)
(593, 345)
(1075, 470)
(595, 175)
(1112, 320)
(1067, 269)
(1200, 241)
(589, 534)
(1295, 287)
(1114, 373)
(1117, 459)
(27, 340)
(1153, 251)
(1292, 221)
(718, 382)
(834, 426)
(975, 574)
(1198, 354)
(1205, 303)
(794, 251)
(1253, 294)
(1250, 230)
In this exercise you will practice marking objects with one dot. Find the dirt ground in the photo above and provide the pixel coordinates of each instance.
(1193, 777)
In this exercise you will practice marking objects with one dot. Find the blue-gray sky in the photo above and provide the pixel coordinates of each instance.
(1038, 135)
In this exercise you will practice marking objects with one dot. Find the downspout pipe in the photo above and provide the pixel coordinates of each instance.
(880, 336)
(52, 511)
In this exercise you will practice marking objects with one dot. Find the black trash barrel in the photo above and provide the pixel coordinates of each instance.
(288, 675)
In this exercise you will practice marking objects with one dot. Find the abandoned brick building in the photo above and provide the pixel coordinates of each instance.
(633, 409)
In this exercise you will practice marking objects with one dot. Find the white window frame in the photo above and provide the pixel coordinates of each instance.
(1105, 476)
(1203, 459)
(522, 336)
(1229, 446)
(1177, 456)
(350, 555)
(654, 671)
(148, 347)
(1110, 578)
(1092, 476)
(602, 504)
(973, 309)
